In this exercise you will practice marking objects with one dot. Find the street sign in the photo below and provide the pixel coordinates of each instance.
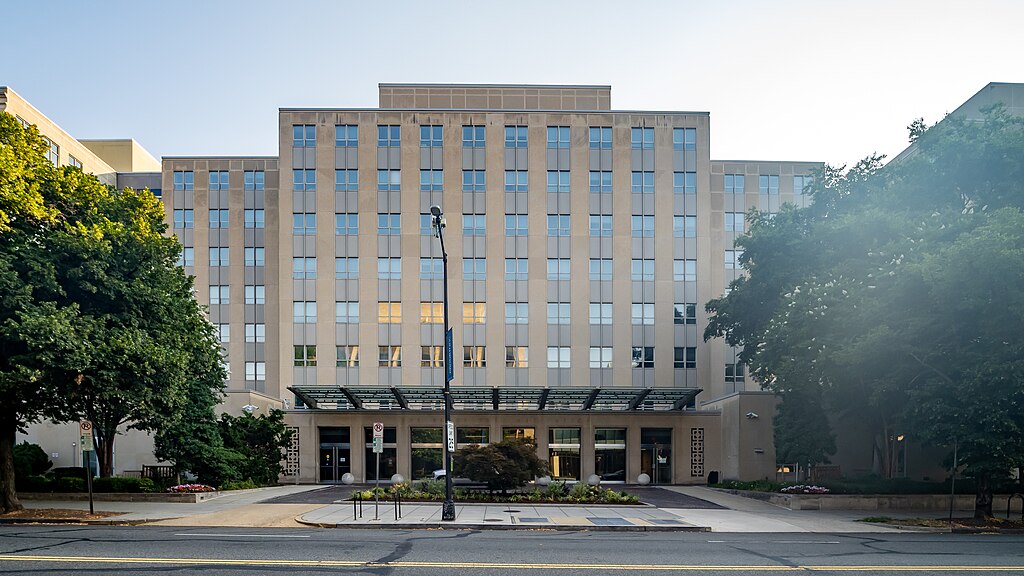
(451, 436)
(449, 357)
(85, 435)
(378, 429)
(378, 445)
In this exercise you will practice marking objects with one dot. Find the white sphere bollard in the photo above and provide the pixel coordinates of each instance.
(593, 480)
(643, 479)
(544, 480)
(397, 479)
(347, 478)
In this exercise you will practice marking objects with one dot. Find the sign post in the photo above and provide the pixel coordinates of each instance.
(378, 447)
(451, 439)
(85, 439)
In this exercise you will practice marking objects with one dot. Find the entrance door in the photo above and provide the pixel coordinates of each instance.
(656, 454)
(334, 454)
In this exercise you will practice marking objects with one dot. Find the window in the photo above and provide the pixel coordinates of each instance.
(219, 180)
(219, 257)
(600, 181)
(431, 180)
(515, 137)
(346, 224)
(643, 226)
(432, 356)
(389, 180)
(305, 355)
(220, 294)
(72, 161)
(255, 218)
(642, 314)
(474, 312)
(600, 357)
(431, 136)
(184, 180)
(643, 356)
(601, 138)
(255, 256)
(734, 221)
(254, 179)
(641, 138)
(218, 218)
(642, 182)
(800, 186)
(684, 357)
(346, 136)
(517, 356)
(558, 312)
(685, 314)
(734, 183)
(389, 268)
(304, 312)
(304, 180)
(474, 181)
(431, 269)
(474, 269)
(346, 180)
(558, 268)
(184, 218)
(732, 259)
(600, 313)
(558, 356)
(346, 312)
(474, 356)
(304, 224)
(390, 356)
(684, 138)
(473, 137)
(684, 270)
(256, 371)
(256, 294)
(303, 136)
(389, 136)
(558, 180)
(223, 333)
(600, 226)
(517, 269)
(735, 373)
(389, 224)
(346, 268)
(255, 332)
(600, 268)
(684, 182)
(558, 225)
(684, 226)
(474, 225)
(641, 270)
(389, 312)
(427, 225)
(517, 313)
(516, 181)
(558, 137)
(187, 257)
(348, 356)
(431, 312)
(516, 225)
(768, 184)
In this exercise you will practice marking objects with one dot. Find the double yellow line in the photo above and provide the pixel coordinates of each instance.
(495, 565)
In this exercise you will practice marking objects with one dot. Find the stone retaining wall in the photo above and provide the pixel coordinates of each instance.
(929, 502)
(166, 497)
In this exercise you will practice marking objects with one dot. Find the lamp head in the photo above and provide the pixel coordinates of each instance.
(435, 210)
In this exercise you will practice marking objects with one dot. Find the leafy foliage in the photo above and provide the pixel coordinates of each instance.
(30, 460)
(258, 442)
(508, 464)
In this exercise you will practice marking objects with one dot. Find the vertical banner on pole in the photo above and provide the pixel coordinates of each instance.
(449, 357)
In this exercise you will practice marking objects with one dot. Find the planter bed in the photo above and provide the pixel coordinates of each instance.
(933, 502)
(183, 497)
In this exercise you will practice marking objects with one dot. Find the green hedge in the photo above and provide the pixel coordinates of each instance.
(74, 484)
(119, 484)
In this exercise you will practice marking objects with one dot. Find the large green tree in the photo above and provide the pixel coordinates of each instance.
(897, 297)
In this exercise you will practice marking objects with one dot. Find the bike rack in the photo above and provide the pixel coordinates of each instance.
(398, 505)
(357, 497)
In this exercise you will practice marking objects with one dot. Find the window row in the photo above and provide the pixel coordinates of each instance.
(184, 180)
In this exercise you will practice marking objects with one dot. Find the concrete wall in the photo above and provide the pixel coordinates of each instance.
(123, 155)
(748, 447)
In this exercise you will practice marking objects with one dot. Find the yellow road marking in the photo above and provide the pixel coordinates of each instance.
(493, 565)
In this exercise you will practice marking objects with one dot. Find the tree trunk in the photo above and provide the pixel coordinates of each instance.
(8, 496)
(104, 444)
(983, 499)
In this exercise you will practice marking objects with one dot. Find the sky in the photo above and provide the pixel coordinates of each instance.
(807, 80)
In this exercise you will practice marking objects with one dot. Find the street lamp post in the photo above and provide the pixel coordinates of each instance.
(448, 507)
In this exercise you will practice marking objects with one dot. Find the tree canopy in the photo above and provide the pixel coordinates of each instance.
(896, 298)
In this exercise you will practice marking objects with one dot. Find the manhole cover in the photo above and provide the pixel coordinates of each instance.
(492, 520)
(510, 511)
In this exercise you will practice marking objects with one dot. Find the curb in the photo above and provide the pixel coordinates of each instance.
(105, 522)
(550, 527)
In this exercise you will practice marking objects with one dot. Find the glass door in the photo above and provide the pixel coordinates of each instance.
(656, 454)
(333, 458)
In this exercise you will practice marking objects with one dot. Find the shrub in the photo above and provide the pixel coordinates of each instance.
(510, 463)
(239, 485)
(403, 489)
(30, 460)
(432, 487)
(554, 490)
(35, 484)
(70, 484)
(122, 485)
(68, 472)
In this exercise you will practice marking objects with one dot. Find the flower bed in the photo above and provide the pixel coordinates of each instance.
(802, 489)
(554, 493)
(190, 488)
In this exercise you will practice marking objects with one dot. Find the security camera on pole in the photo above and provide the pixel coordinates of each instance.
(448, 508)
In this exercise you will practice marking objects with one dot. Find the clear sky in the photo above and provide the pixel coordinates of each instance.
(829, 80)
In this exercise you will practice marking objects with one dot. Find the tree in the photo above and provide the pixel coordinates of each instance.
(30, 460)
(259, 441)
(508, 464)
(897, 296)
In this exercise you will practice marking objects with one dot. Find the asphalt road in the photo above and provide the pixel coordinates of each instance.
(237, 551)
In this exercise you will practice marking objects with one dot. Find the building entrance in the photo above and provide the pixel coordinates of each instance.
(334, 458)
(656, 454)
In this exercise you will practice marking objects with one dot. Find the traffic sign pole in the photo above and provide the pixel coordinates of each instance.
(85, 437)
(378, 447)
